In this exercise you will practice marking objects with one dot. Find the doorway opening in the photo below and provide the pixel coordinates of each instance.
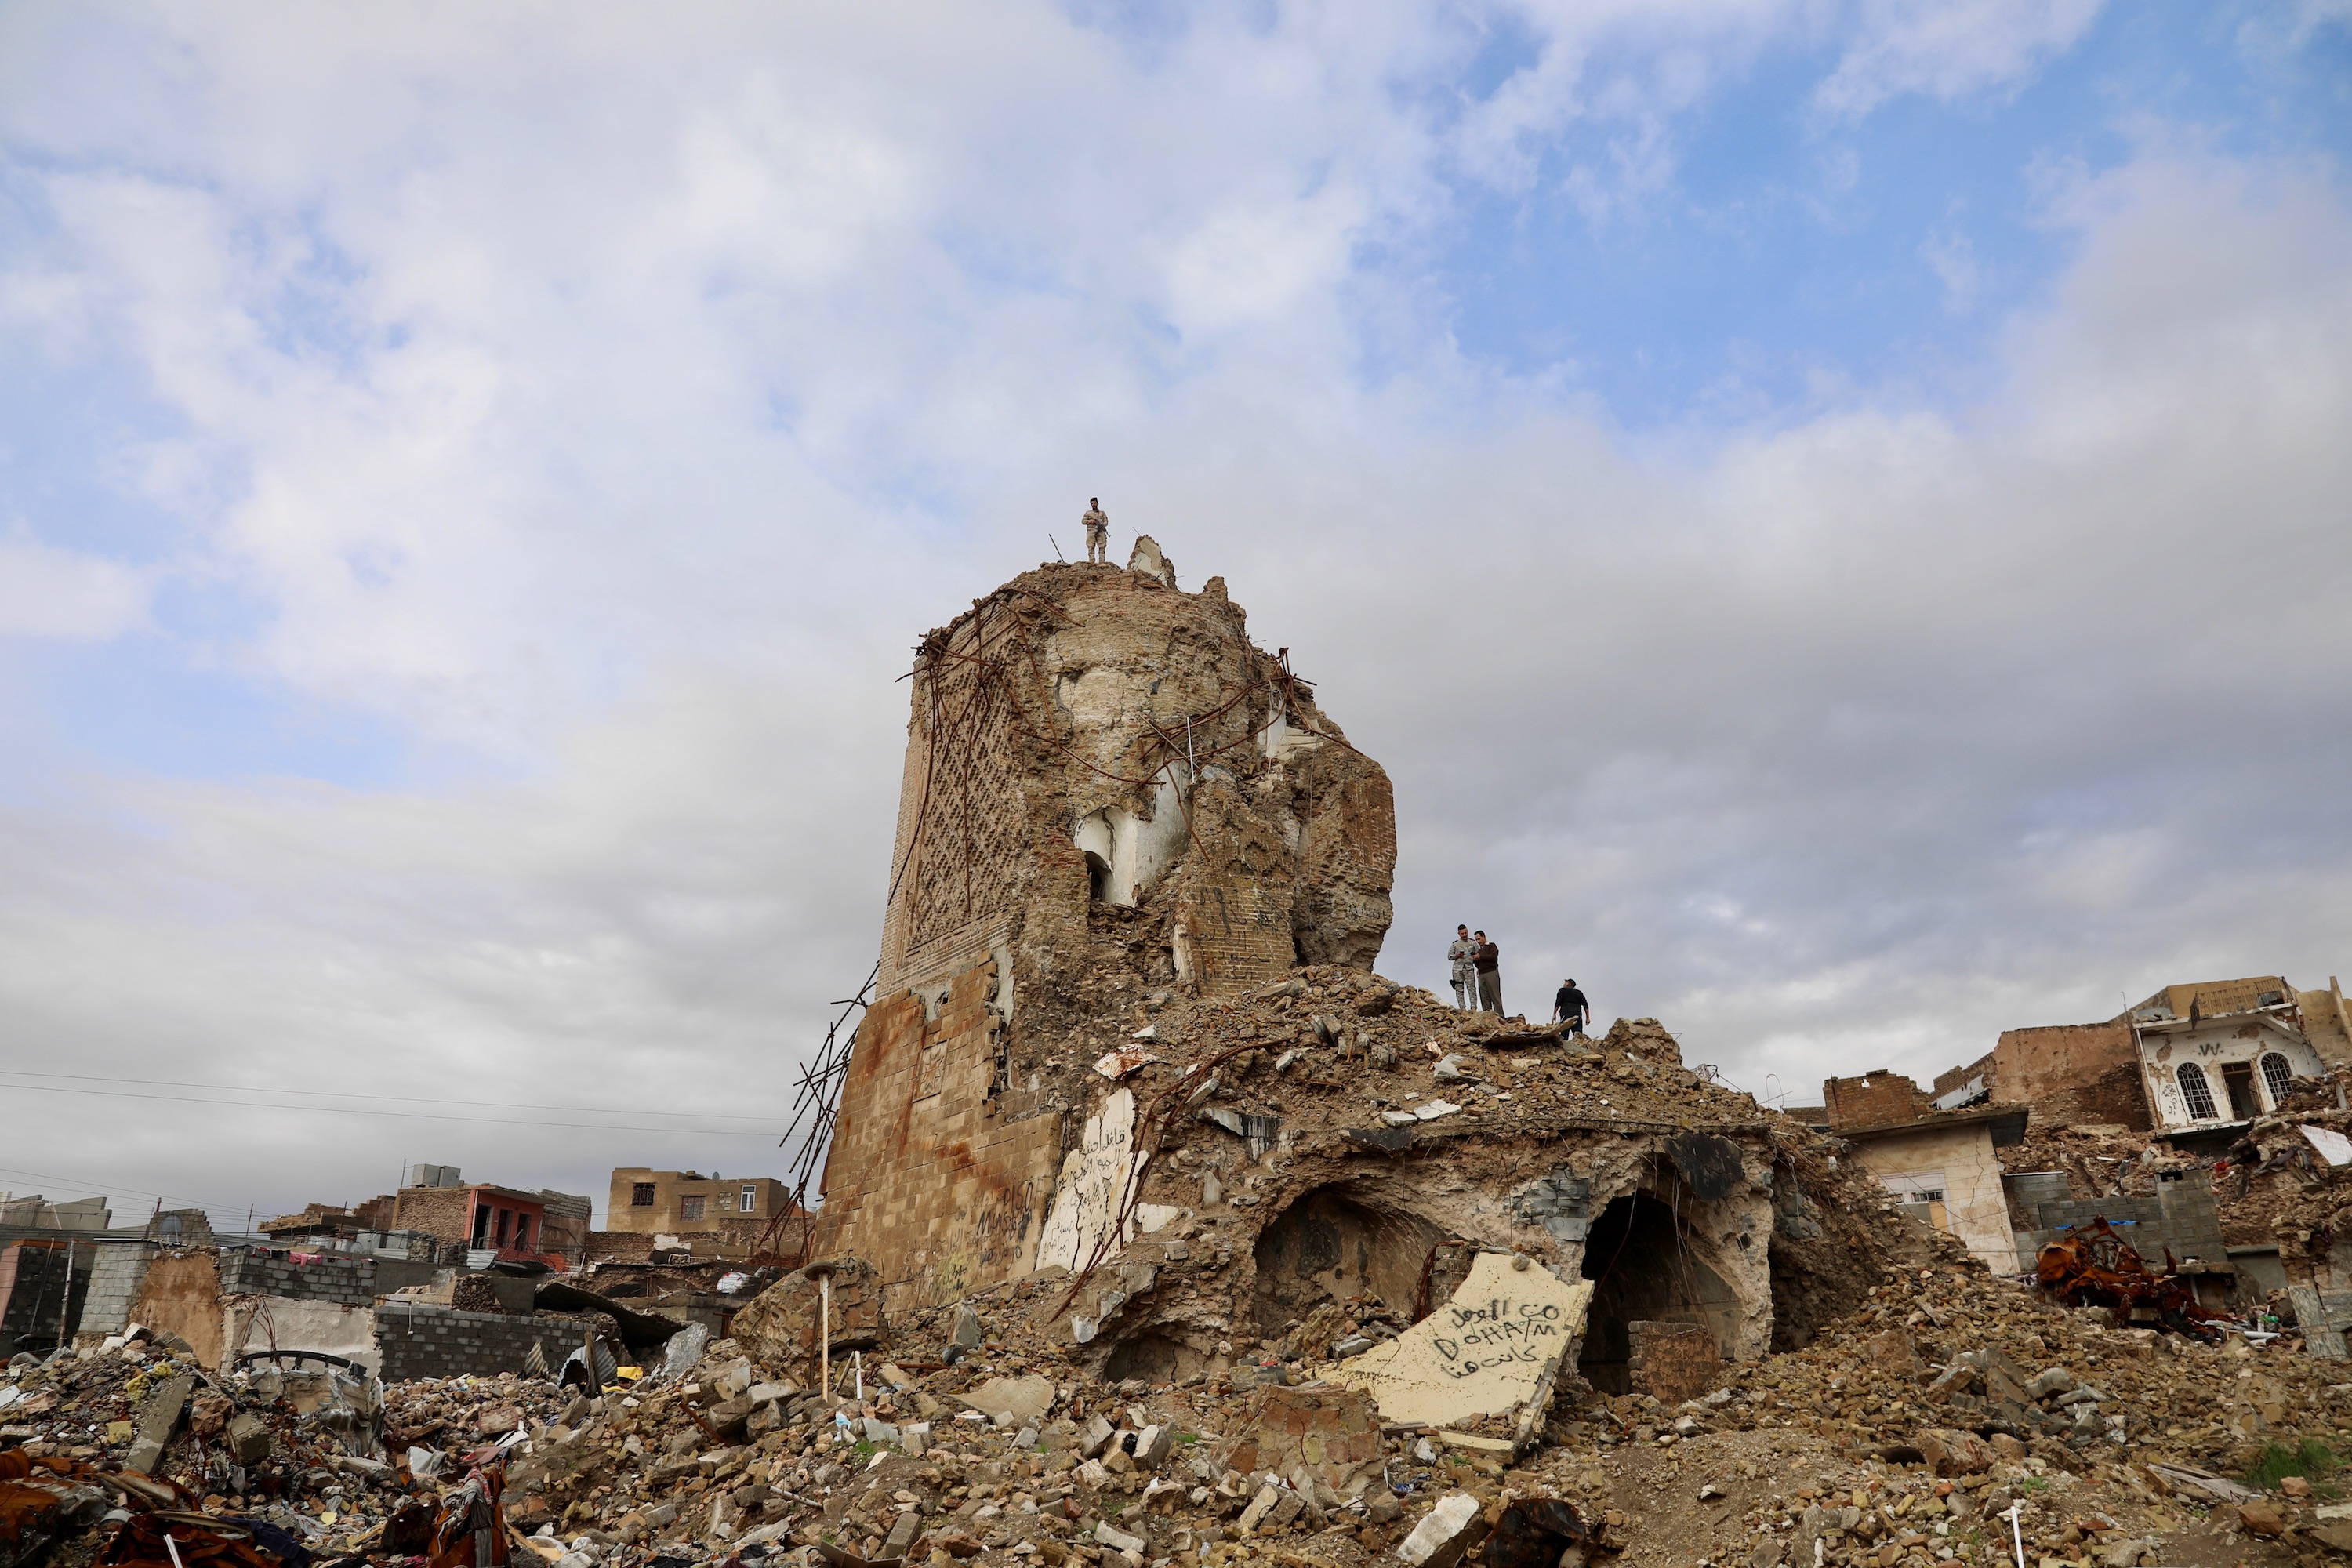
(2239, 1079)
(1638, 1256)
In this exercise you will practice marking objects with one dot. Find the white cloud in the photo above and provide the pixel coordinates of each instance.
(50, 592)
(1949, 49)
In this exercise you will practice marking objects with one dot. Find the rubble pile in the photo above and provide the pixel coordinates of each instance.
(138, 1424)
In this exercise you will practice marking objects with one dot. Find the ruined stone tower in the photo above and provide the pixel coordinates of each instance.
(1110, 795)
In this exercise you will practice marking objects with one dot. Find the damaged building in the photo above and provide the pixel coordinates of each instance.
(1128, 1032)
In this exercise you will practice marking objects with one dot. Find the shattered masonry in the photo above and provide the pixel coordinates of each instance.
(1123, 827)
(1109, 792)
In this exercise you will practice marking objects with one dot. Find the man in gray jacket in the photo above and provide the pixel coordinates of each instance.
(1462, 955)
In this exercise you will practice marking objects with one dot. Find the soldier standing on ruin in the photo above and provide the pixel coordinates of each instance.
(1490, 974)
(1097, 532)
(1462, 955)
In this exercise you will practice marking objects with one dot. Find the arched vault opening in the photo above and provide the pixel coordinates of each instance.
(1330, 1246)
(1640, 1257)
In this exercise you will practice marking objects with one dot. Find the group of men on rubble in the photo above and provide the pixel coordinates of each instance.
(1477, 967)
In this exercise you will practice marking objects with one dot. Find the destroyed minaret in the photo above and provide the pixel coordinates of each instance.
(1110, 793)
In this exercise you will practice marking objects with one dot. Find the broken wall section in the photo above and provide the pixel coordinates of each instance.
(941, 1172)
(414, 1340)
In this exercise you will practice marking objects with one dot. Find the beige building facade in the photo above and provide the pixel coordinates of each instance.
(1946, 1164)
(647, 1201)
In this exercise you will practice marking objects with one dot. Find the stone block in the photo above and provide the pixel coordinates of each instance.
(1446, 1534)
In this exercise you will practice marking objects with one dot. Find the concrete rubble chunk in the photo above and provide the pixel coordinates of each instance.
(1012, 1401)
(1152, 1445)
(1498, 1340)
(778, 1330)
(903, 1531)
(159, 1417)
(2050, 1380)
(248, 1438)
(1446, 1534)
(1954, 1453)
(1116, 1539)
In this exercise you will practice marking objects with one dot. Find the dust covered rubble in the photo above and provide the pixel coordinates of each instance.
(1895, 1437)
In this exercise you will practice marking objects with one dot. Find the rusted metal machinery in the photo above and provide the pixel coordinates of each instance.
(2094, 1266)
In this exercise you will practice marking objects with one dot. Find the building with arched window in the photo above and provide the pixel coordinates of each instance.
(2225, 1052)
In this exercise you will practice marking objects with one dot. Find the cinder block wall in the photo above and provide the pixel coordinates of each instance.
(2182, 1216)
(346, 1280)
(438, 1342)
(115, 1274)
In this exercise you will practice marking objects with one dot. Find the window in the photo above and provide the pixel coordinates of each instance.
(689, 1208)
(504, 1216)
(2196, 1092)
(749, 1200)
(640, 1194)
(2277, 1077)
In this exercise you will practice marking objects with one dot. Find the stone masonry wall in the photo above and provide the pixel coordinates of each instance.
(346, 1281)
(1672, 1361)
(932, 1178)
(2071, 1073)
(114, 1277)
(418, 1341)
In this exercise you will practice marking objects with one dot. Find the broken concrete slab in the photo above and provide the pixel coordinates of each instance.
(1012, 1401)
(159, 1417)
(1488, 1350)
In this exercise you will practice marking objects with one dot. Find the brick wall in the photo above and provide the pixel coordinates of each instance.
(1873, 1100)
(962, 826)
(115, 1273)
(1234, 896)
(438, 1342)
(347, 1281)
(939, 1185)
(1672, 1361)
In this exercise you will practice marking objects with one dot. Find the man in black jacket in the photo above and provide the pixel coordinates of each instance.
(1570, 1007)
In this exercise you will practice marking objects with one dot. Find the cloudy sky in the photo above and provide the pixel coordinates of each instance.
(1837, 515)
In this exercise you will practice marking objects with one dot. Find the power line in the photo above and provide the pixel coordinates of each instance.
(404, 1098)
(107, 1189)
(398, 1115)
